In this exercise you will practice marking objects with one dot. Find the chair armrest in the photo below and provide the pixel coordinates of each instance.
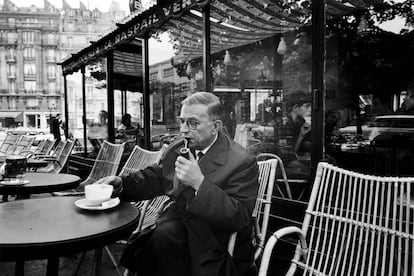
(267, 253)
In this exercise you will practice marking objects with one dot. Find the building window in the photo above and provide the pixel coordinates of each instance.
(29, 53)
(29, 69)
(90, 28)
(51, 54)
(12, 87)
(168, 72)
(30, 86)
(28, 37)
(11, 21)
(51, 71)
(71, 13)
(52, 87)
(31, 20)
(86, 14)
(96, 14)
(50, 38)
(32, 103)
(69, 40)
(11, 70)
(51, 22)
(11, 37)
(153, 76)
(70, 26)
(89, 91)
(12, 104)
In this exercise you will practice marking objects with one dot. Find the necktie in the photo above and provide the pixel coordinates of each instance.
(200, 154)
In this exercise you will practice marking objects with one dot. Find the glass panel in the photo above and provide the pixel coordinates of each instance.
(369, 123)
(75, 110)
(96, 105)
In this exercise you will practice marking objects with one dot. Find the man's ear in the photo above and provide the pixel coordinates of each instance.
(218, 125)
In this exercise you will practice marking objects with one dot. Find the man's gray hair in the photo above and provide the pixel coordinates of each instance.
(215, 109)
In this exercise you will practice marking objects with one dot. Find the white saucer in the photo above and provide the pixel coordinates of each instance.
(14, 182)
(83, 203)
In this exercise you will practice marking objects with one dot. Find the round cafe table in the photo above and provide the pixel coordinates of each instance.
(42, 183)
(46, 228)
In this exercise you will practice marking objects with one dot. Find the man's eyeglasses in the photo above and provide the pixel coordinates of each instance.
(191, 123)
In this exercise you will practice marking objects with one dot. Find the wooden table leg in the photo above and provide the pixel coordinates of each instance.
(52, 266)
(19, 268)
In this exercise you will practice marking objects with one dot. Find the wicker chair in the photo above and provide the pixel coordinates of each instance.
(261, 211)
(9, 144)
(355, 224)
(106, 163)
(43, 148)
(57, 163)
(138, 159)
(23, 144)
(283, 191)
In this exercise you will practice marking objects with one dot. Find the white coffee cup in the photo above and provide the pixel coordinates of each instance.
(97, 193)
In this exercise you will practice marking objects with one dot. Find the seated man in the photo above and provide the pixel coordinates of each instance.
(128, 133)
(293, 133)
(213, 196)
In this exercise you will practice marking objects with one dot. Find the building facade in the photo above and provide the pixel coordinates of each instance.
(32, 42)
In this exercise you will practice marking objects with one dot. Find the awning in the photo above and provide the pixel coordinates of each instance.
(16, 115)
(233, 24)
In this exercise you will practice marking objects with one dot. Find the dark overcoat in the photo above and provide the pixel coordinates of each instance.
(223, 204)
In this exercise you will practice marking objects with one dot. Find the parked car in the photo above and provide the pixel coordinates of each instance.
(27, 131)
(386, 125)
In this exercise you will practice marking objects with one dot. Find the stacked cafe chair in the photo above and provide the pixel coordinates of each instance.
(355, 224)
(105, 164)
(43, 148)
(57, 163)
(9, 143)
(23, 144)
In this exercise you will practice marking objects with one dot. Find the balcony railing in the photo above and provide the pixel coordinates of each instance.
(50, 59)
(51, 76)
(49, 41)
(10, 58)
(8, 40)
(29, 58)
(29, 76)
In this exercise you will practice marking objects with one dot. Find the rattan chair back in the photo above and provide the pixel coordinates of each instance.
(261, 211)
(9, 143)
(355, 224)
(284, 191)
(23, 144)
(106, 163)
(140, 159)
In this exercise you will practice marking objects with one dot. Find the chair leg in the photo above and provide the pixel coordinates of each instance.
(79, 264)
(98, 262)
(114, 262)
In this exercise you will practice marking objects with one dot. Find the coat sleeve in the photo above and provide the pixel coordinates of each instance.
(143, 184)
(228, 205)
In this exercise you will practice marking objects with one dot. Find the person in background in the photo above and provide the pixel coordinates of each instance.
(407, 107)
(212, 194)
(331, 126)
(127, 132)
(55, 128)
(293, 132)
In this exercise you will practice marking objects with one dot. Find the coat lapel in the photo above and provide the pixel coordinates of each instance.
(216, 156)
